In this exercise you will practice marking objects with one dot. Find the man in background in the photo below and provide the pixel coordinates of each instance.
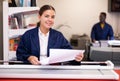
(102, 30)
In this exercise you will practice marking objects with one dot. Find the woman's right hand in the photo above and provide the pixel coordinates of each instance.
(33, 60)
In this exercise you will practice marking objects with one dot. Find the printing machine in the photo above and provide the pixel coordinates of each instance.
(81, 42)
(105, 50)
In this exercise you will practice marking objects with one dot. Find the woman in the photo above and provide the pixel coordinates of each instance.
(35, 43)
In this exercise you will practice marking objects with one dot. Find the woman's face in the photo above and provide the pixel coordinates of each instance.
(47, 19)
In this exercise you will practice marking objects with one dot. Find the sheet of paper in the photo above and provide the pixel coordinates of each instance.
(114, 42)
(61, 55)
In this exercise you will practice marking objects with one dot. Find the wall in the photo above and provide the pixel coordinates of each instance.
(80, 15)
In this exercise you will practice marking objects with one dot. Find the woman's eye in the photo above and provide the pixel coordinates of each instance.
(47, 16)
(53, 17)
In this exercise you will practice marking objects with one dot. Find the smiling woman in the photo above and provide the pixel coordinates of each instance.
(35, 44)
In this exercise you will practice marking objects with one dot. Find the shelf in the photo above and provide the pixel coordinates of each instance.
(9, 42)
(13, 10)
(17, 32)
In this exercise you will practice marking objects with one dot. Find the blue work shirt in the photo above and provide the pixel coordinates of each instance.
(99, 33)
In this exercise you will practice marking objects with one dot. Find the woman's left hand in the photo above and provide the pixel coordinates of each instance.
(79, 57)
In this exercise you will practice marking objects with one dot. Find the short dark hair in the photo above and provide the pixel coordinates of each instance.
(44, 8)
(103, 13)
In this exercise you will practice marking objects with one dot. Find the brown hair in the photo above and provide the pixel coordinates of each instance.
(44, 8)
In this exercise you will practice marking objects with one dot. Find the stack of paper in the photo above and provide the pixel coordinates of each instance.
(104, 43)
(114, 42)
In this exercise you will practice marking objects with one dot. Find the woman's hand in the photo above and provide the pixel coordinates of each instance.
(34, 60)
(79, 57)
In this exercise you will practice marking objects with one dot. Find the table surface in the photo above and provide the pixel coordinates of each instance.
(59, 72)
(17, 79)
